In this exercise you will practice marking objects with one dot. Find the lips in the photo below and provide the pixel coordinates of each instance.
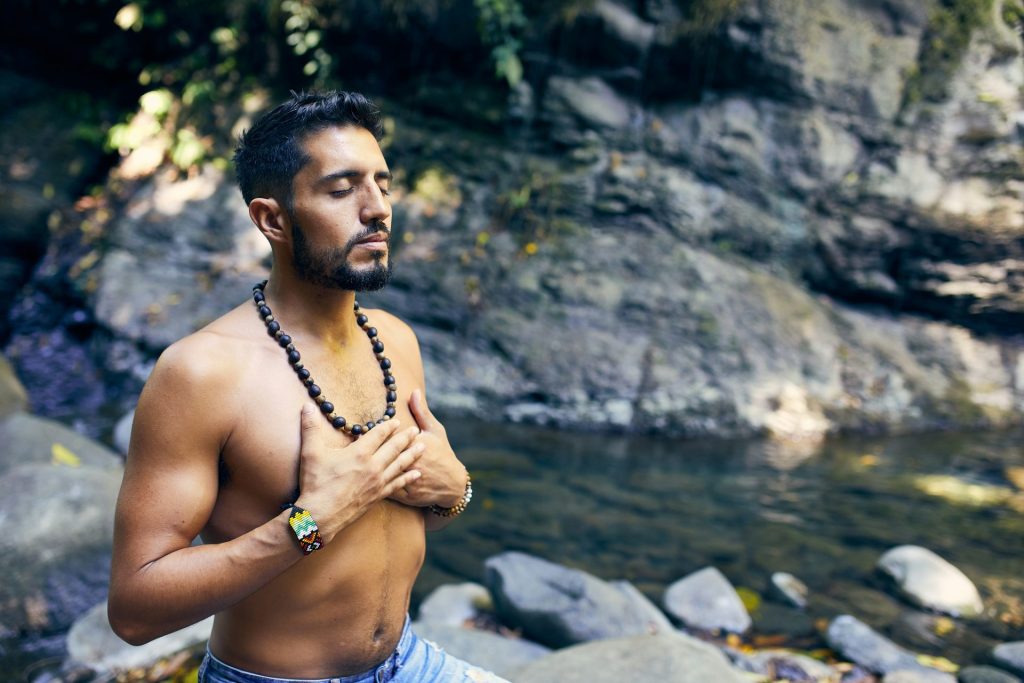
(375, 238)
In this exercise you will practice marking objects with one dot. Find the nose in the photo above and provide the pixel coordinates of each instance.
(376, 206)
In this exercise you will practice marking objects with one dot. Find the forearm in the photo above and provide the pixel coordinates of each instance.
(190, 584)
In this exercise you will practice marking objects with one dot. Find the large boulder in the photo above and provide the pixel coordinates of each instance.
(92, 643)
(665, 657)
(57, 496)
(929, 581)
(706, 600)
(559, 606)
(482, 648)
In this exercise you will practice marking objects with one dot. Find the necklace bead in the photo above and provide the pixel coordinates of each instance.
(326, 407)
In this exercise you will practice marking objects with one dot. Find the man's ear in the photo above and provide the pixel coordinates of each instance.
(271, 219)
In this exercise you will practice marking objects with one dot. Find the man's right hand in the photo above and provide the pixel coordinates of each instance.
(337, 485)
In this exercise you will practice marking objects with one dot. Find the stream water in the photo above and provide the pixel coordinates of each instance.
(653, 510)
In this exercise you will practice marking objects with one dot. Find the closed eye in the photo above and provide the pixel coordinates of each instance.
(341, 193)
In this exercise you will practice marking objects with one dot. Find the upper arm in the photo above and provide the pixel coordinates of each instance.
(170, 479)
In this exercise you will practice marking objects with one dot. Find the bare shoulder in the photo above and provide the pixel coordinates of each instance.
(399, 340)
(392, 327)
(196, 378)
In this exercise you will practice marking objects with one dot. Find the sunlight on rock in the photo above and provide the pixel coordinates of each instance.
(794, 418)
(439, 188)
(171, 197)
(962, 492)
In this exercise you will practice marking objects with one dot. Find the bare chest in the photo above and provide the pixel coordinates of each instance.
(260, 459)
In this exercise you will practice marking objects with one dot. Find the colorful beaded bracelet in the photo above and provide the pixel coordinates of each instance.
(305, 529)
(458, 508)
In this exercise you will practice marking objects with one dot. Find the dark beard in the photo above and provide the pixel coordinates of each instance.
(330, 267)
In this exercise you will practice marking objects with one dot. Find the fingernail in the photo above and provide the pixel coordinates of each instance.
(415, 474)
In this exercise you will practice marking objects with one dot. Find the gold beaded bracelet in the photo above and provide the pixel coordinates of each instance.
(458, 508)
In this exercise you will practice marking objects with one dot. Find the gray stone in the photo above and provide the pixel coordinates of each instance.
(919, 676)
(12, 394)
(789, 589)
(31, 439)
(1010, 656)
(454, 605)
(985, 674)
(784, 664)
(588, 102)
(929, 581)
(123, 432)
(665, 657)
(706, 600)
(862, 645)
(91, 642)
(50, 582)
(482, 648)
(558, 606)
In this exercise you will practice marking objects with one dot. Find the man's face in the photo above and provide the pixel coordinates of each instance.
(340, 214)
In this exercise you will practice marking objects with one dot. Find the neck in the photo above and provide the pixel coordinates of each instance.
(307, 309)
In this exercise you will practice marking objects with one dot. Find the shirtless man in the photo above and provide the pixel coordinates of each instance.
(227, 432)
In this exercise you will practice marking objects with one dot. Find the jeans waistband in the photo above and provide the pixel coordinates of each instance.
(383, 671)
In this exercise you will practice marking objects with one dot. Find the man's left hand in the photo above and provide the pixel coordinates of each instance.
(443, 477)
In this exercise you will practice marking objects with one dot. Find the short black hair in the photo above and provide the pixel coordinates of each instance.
(270, 153)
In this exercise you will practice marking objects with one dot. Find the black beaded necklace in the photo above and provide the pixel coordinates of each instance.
(326, 407)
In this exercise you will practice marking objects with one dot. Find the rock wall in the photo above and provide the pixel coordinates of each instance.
(757, 232)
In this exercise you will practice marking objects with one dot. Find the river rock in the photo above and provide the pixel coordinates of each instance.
(453, 605)
(123, 432)
(482, 648)
(707, 601)
(93, 643)
(862, 645)
(929, 581)
(791, 666)
(985, 674)
(789, 589)
(57, 495)
(31, 439)
(558, 606)
(919, 676)
(56, 529)
(664, 657)
(12, 394)
(1010, 656)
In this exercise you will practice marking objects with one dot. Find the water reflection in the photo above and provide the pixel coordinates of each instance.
(651, 510)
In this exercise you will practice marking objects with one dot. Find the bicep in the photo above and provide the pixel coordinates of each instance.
(170, 480)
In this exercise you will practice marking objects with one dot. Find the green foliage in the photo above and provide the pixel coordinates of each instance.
(501, 24)
(945, 41)
(1013, 15)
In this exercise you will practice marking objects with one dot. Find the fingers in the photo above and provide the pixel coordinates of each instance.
(403, 461)
(309, 430)
(400, 482)
(420, 411)
(369, 443)
(394, 446)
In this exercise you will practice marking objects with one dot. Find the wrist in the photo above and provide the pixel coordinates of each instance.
(459, 505)
(458, 491)
(304, 528)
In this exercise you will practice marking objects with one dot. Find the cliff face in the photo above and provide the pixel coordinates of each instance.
(762, 230)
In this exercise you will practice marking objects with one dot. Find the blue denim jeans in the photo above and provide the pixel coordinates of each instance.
(414, 660)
